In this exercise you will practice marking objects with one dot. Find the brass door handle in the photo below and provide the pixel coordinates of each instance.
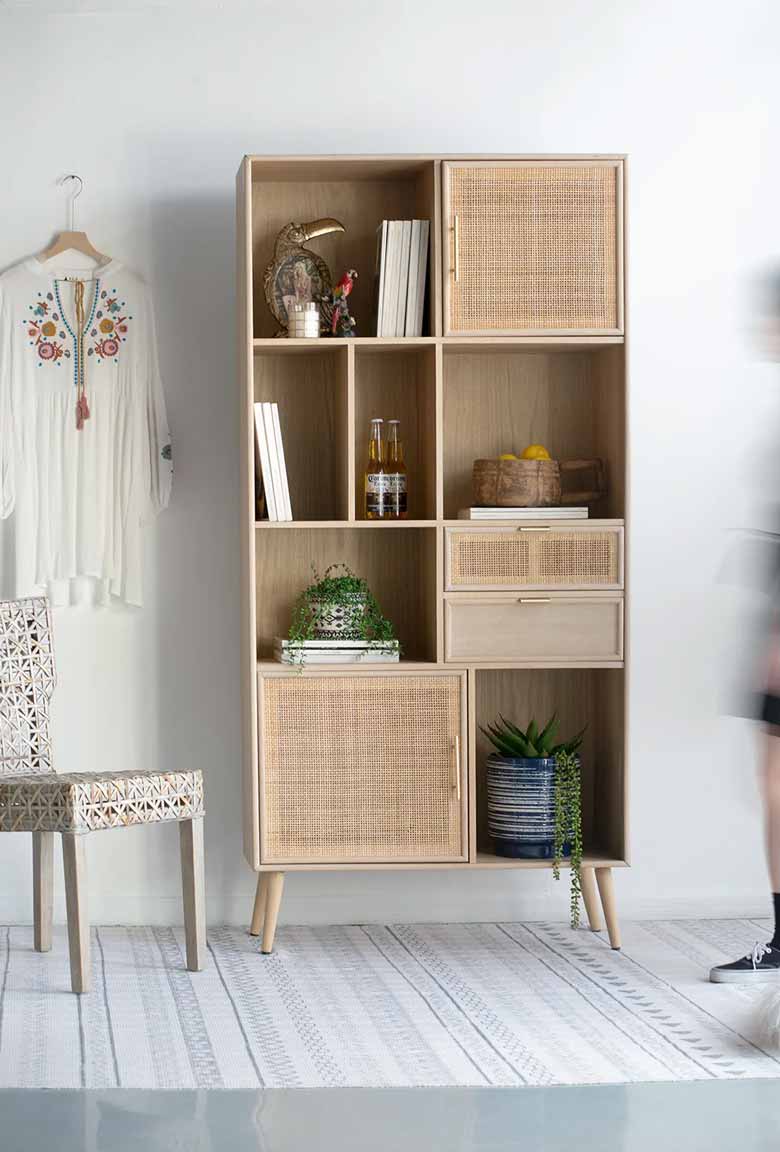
(456, 761)
(456, 246)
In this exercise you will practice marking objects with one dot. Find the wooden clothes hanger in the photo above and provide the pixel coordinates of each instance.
(71, 240)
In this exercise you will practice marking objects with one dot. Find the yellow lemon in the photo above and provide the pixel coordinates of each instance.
(507, 456)
(536, 452)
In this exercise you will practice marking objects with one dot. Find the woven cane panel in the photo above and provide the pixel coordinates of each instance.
(538, 248)
(360, 767)
(514, 559)
(87, 803)
(26, 684)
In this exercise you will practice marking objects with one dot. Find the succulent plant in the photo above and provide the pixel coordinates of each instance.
(533, 743)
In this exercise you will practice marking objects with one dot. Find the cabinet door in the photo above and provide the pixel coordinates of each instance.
(361, 768)
(533, 247)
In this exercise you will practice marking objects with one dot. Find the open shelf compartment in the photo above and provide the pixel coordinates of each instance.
(359, 193)
(588, 696)
(400, 568)
(393, 381)
(311, 391)
(570, 399)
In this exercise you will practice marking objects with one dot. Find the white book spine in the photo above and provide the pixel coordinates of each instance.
(403, 282)
(422, 269)
(276, 477)
(286, 505)
(393, 265)
(381, 257)
(411, 292)
(265, 462)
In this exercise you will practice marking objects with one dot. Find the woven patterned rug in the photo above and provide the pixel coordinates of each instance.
(465, 1004)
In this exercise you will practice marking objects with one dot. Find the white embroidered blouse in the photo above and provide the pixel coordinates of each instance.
(80, 496)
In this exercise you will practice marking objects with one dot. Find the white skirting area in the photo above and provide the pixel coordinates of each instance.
(408, 1005)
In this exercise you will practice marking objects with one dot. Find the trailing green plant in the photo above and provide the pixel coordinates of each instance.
(568, 825)
(535, 743)
(337, 586)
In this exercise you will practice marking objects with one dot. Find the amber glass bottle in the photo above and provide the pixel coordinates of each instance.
(375, 485)
(396, 473)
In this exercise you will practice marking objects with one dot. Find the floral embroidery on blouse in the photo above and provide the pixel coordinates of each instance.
(166, 452)
(45, 331)
(110, 330)
(106, 329)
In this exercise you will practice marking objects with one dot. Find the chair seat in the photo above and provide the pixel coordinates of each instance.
(87, 802)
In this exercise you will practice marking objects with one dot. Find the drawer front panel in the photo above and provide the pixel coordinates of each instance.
(362, 768)
(496, 558)
(532, 247)
(566, 629)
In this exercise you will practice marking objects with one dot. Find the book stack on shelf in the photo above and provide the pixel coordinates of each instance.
(401, 268)
(336, 651)
(523, 514)
(273, 500)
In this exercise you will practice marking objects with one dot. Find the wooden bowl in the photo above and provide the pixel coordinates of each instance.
(516, 483)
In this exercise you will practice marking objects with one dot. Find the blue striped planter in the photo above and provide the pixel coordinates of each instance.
(521, 807)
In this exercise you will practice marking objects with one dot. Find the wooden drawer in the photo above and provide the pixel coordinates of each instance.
(492, 628)
(532, 246)
(538, 557)
(362, 767)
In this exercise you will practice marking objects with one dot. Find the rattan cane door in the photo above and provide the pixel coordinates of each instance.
(533, 247)
(362, 767)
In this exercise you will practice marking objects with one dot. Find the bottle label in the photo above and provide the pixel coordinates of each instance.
(396, 499)
(377, 493)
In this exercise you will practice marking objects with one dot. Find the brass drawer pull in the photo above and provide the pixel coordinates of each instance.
(535, 600)
(456, 245)
(537, 528)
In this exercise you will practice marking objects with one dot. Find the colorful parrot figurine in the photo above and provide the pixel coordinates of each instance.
(340, 305)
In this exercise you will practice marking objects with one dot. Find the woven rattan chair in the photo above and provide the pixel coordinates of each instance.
(33, 798)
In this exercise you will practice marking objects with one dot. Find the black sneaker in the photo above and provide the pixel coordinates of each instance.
(763, 963)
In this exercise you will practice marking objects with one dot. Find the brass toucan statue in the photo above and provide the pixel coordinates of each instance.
(297, 275)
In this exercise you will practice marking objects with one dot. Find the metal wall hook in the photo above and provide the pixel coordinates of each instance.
(74, 196)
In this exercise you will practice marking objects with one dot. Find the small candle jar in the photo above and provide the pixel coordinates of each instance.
(305, 321)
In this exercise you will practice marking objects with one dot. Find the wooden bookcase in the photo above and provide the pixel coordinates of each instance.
(324, 786)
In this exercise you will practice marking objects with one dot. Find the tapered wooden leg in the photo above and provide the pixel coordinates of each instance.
(43, 889)
(193, 891)
(607, 893)
(258, 912)
(590, 899)
(273, 900)
(76, 903)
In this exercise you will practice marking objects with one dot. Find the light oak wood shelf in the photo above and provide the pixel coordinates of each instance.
(459, 397)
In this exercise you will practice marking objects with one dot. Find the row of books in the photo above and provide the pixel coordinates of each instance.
(269, 452)
(401, 268)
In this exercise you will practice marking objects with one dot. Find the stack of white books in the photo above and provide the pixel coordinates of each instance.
(269, 453)
(523, 514)
(401, 268)
(336, 651)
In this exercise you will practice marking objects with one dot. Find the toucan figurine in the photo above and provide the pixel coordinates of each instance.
(297, 275)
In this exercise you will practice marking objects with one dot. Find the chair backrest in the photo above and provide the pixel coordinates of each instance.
(27, 680)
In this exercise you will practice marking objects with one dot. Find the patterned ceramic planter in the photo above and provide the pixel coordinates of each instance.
(339, 621)
(521, 807)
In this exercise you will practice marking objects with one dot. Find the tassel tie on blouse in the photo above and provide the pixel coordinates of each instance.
(82, 407)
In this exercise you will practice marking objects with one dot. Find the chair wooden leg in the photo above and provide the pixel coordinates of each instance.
(76, 902)
(258, 912)
(590, 899)
(273, 900)
(607, 893)
(43, 889)
(193, 891)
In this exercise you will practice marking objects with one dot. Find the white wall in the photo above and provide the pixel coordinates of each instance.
(154, 106)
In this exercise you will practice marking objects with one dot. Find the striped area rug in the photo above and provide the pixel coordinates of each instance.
(408, 1005)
